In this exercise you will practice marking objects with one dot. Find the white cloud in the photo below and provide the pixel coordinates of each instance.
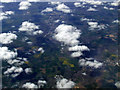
(47, 10)
(37, 32)
(117, 84)
(30, 28)
(34, 0)
(94, 25)
(67, 34)
(105, 7)
(1, 6)
(79, 48)
(6, 54)
(114, 3)
(63, 8)
(29, 85)
(10, 70)
(108, 8)
(15, 62)
(94, 63)
(5, 15)
(7, 1)
(29, 43)
(28, 70)
(18, 70)
(63, 22)
(6, 38)
(101, 26)
(24, 5)
(77, 4)
(41, 83)
(115, 21)
(91, 9)
(9, 13)
(56, 21)
(86, 19)
(15, 70)
(84, 74)
(92, 2)
(111, 8)
(64, 83)
(41, 50)
(39, 0)
(95, 6)
(25, 59)
(54, 3)
(76, 54)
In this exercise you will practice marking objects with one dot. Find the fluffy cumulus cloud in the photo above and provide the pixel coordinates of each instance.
(41, 50)
(62, 7)
(28, 70)
(90, 63)
(117, 84)
(30, 28)
(108, 8)
(9, 13)
(24, 5)
(13, 71)
(41, 83)
(54, 3)
(6, 38)
(29, 85)
(94, 25)
(5, 15)
(16, 62)
(86, 19)
(111, 8)
(6, 54)
(67, 34)
(115, 3)
(77, 4)
(76, 54)
(7, 1)
(35, 0)
(115, 21)
(91, 9)
(37, 32)
(92, 2)
(65, 83)
(1, 6)
(79, 48)
(56, 21)
(47, 10)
